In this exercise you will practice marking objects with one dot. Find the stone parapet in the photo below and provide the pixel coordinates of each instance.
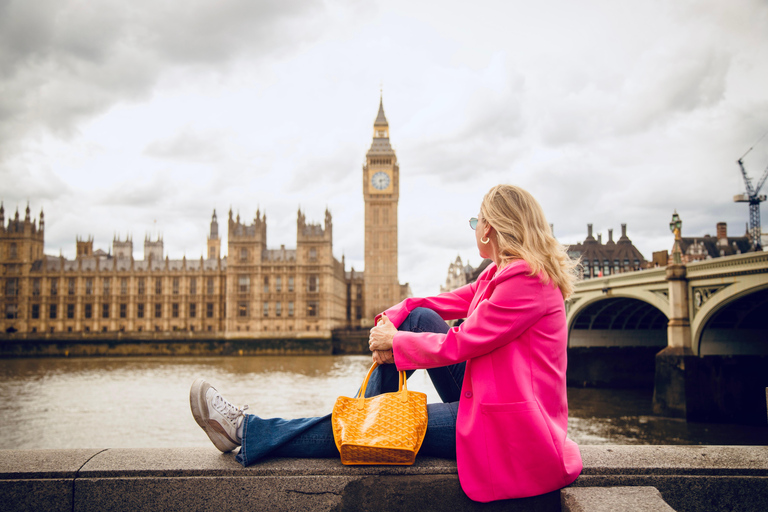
(688, 478)
(610, 499)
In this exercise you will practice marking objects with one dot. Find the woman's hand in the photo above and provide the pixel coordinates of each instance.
(382, 335)
(383, 357)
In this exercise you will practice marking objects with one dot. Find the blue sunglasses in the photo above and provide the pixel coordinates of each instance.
(473, 222)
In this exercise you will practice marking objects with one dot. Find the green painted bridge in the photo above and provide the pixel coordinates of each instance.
(698, 332)
(712, 307)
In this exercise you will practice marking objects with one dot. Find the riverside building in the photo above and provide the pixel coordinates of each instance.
(252, 291)
(596, 259)
(600, 259)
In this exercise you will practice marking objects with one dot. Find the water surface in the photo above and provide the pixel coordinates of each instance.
(144, 402)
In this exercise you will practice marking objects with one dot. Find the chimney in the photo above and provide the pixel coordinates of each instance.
(589, 238)
(600, 238)
(623, 238)
(610, 236)
(722, 230)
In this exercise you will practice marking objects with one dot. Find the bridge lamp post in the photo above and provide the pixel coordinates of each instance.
(675, 226)
(670, 381)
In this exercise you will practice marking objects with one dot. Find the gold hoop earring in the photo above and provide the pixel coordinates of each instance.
(485, 240)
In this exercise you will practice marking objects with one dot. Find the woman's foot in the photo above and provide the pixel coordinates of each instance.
(219, 418)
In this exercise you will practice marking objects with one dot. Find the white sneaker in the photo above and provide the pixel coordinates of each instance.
(216, 415)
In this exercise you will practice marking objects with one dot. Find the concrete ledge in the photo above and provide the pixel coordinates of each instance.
(610, 499)
(688, 478)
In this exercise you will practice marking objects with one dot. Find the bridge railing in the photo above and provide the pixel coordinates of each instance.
(729, 265)
(622, 280)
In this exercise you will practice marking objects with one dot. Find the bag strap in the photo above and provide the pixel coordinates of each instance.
(402, 391)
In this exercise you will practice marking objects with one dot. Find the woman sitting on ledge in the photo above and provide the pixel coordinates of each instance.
(500, 374)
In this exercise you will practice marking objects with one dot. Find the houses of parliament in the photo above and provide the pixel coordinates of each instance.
(252, 291)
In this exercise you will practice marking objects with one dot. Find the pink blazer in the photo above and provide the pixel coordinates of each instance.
(513, 413)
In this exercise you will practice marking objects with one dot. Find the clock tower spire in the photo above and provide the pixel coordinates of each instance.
(381, 191)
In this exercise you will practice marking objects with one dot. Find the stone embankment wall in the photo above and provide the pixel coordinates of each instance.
(177, 344)
(133, 347)
(663, 478)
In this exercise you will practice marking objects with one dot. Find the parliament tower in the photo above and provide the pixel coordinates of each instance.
(381, 191)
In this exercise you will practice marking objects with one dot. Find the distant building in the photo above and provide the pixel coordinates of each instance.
(706, 247)
(479, 270)
(253, 291)
(598, 259)
(459, 274)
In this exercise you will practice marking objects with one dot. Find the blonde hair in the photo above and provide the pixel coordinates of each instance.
(522, 232)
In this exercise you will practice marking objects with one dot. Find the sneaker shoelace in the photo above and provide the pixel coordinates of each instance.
(230, 411)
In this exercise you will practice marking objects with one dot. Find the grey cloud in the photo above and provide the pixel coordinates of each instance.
(662, 88)
(483, 135)
(25, 31)
(189, 145)
(139, 194)
(464, 156)
(63, 61)
(674, 78)
(31, 183)
(206, 31)
(311, 171)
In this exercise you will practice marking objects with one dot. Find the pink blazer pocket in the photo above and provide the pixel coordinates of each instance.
(520, 450)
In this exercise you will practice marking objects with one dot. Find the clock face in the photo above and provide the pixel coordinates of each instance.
(380, 180)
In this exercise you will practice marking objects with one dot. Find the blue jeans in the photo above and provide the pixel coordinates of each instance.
(313, 437)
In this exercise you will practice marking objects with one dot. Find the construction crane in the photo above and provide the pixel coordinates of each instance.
(754, 199)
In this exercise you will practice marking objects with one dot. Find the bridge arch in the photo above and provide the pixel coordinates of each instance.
(734, 321)
(617, 321)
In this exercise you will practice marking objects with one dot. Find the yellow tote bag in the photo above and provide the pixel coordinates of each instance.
(384, 429)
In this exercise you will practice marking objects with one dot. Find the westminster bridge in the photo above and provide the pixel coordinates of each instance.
(698, 332)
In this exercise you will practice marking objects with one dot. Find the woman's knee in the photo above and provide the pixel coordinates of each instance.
(424, 320)
(420, 313)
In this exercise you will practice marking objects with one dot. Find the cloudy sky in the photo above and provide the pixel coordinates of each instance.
(141, 117)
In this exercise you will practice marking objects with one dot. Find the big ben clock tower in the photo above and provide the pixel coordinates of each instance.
(381, 191)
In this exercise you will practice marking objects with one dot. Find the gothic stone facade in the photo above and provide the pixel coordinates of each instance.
(254, 291)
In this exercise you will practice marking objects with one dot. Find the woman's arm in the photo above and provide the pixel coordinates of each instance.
(515, 305)
(449, 305)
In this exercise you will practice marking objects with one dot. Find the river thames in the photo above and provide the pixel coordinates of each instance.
(143, 402)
